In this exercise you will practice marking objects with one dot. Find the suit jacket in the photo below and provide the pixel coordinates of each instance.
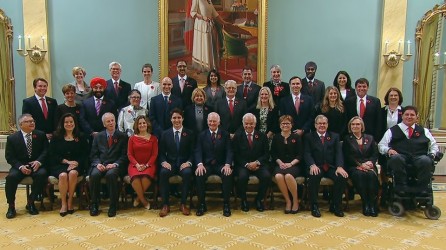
(354, 156)
(317, 92)
(243, 153)
(372, 115)
(317, 153)
(89, 120)
(190, 121)
(303, 120)
(16, 153)
(251, 98)
(189, 87)
(210, 154)
(117, 153)
(212, 100)
(168, 150)
(280, 91)
(349, 93)
(230, 122)
(32, 106)
(272, 120)
(121, 100)
(159, 113)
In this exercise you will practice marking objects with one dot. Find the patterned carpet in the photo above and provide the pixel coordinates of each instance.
(142, 229)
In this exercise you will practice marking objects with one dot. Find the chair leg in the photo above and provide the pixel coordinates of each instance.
(49, 192)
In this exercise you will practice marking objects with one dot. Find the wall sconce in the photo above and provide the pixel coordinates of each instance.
(437, 65)
(36, 54)
(393, 58)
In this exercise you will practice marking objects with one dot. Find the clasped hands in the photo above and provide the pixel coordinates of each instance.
(365, 166)
(103, 168)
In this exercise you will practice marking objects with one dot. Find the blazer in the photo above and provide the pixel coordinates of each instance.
(121, 100)
(272, 120)
(372, 115)
(189, 87)
(159, 113)
(317, 153)
(279, 91)
(349, 93)
(116, 154)
(210, 154)
(91, 122)
(168, 150)
(384, 121)
(32, 106)
(303, 120)
(354, 156)
(16, 153)
(317, 92)
(190, 121)
(59, 151)
(230, 122)
(251, 98)
(212, 100)
(243, 153)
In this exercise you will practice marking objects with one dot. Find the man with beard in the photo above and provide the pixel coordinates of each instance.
(183, 85)
(248, 90)
(312, 86)
(116, 88)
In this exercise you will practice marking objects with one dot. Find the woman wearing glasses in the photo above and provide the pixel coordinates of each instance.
(128, 114)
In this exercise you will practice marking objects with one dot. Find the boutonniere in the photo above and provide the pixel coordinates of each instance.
(256, 136)
(129, 111)
(34, 136)
(235, 103)
(205, 108)
(301, 101)
(417, 134)
(78, 111)
(366, 141)
(76, 139)
(184, 134)
(293, 140)
(119, 87)
(115, 140)
(219, 136)
(152, 87)
(48, 101)
(170, 101)
(328, 138)
(104, 102)
(368, 101)
(188, 85)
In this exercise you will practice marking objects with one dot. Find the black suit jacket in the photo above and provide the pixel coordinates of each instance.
(121, 100)
(279, 91)
(272, 120)
(189, 118)
(372, 115)
(243, 153)
(117, 153)
(16, 153)
(168, 150)
(354, 156)
(317, 92)
(89, 120)
(210, 154)
(159, 113)
(32, 106)
(251, 98)
(303, 120)
(230, 122)
(189, 87)
(317, 153)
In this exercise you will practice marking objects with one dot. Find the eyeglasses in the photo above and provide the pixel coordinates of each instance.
(29, 121)
(321, 123)
(135, 97)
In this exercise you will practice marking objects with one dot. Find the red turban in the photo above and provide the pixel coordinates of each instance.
(98, 80)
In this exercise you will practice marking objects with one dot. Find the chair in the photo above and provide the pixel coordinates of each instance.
(233, 48)
(86, 189)
(53, 181)
(28, 181)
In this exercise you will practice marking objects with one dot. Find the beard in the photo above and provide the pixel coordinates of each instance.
(98, 94)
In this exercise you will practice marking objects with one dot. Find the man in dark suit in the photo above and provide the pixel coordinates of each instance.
(312, 86)
(248, 90)
(367, 107)
(175, 154)
(231, 109)
(41, 107)
(251, 156)
(323, 155)
(213, 156)
(94, 107)
(278, 88)
(161, 106)
(26, 152)
(108, 158)
(298, 106)
(117, 89)
(183, 85)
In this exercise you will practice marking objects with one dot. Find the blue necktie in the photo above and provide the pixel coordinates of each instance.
(177, 139)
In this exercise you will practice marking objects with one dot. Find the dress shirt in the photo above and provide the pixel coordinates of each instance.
(358, 103)
(39, 101)
(392, 117)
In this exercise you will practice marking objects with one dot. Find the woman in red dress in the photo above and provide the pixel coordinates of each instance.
(142, 153)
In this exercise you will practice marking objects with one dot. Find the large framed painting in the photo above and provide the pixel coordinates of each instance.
(225, 35)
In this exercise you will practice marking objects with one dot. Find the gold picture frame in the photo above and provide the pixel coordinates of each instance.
(249, 15)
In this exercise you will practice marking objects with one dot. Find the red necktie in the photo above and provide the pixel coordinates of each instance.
(245, 91)
(231, 106)
(250, 140)
(322, 139)
(311, 84)
(297, 104)
(410, 132)
(116, 88)
(44, 108)
(361, 108)
(110, 141)
(213, 137)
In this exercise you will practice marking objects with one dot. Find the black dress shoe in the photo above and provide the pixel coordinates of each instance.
(374, 210)
(32, 210)
(315, 211)
(365, 209)
(94, 210)
(226, 210)
(244, 206)
(70, 211)
(259, 206)
(201, 209)
(63, 214)
(111, 211)
(11, 213)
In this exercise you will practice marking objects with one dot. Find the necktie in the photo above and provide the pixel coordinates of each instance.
(182, 84)
(177, 139)
(98, 106)
(410, 132)
(213, 137)
(116, 88)
(297, 104)
(322, 139)
(250, 140)
(310, 84)
(166, 100)
(231, 106)
(361, 108)
(44, 108)
(245, 91)
(325, 166)
(29, 145)
(110, 141)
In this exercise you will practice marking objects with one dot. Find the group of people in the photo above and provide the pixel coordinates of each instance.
(157, 130)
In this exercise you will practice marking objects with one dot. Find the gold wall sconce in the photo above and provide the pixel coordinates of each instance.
(35, 54)
(393, 58)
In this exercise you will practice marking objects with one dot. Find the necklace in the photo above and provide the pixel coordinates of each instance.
(357, 138)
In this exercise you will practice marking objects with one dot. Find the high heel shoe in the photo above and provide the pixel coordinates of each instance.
(63, 214)
(70, 211)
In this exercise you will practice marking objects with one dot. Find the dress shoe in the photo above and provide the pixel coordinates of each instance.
(226, 210)
(11, 213)
(201, 209)
(32, 210)
(94, 210)
(373, 210)
(365, 209)
(259, 206)
(136, 202)
(63, 214)
(184, 209)
(338, 211)
(244, 206)
(70, 211)
(111, 211)
(315, 211)
(164, 211)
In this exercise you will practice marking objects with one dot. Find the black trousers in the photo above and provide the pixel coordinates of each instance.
(243, 178)
(314, 182)
(420, 165)
(165, 174)
(366, 184)
(111, 177)
(201, 183)
(15, 176)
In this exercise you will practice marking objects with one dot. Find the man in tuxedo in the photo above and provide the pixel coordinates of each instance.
(26, 152)
(231, 109)
(183, 85)
(175, 154)
(108, 158)
(312, 86)
(299, 106)
(323, 155)
(248, 90)
(251, 156)
(213, 156)
(117, 89)
(278, 88)
(161, 106)
(94, 107)
(365, 106)
(41, 107)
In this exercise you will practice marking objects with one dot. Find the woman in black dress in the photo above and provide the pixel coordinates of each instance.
(343, 83)
(333, 108)
(69, 106)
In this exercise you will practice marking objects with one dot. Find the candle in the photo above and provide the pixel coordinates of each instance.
(20, 42)
(29, 42)
(408, 47)
(437, 58)
(43, 43)
(386, 47)
(399, 46)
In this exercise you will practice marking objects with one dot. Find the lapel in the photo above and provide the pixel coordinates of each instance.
(36, 103)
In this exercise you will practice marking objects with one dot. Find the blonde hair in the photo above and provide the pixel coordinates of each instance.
(270, 98)
(78, 69)
(325, 106)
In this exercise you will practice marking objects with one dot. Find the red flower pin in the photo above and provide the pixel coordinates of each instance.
(301, 101)
(77, 111)
(366, 141)
(184, 134)
(293, 140)
(368, 101)
(76, 139)
(218, 136)
(235, 103)
(256, 136)
(205, 108)
(328, 138)
(417, 134)
(115, 140)
(48, 101)
(152, 87)
(104, 102)
(170, 101)
(129, 111)
(34, 136)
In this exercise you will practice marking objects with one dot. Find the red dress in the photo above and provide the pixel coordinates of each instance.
(142, 151)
